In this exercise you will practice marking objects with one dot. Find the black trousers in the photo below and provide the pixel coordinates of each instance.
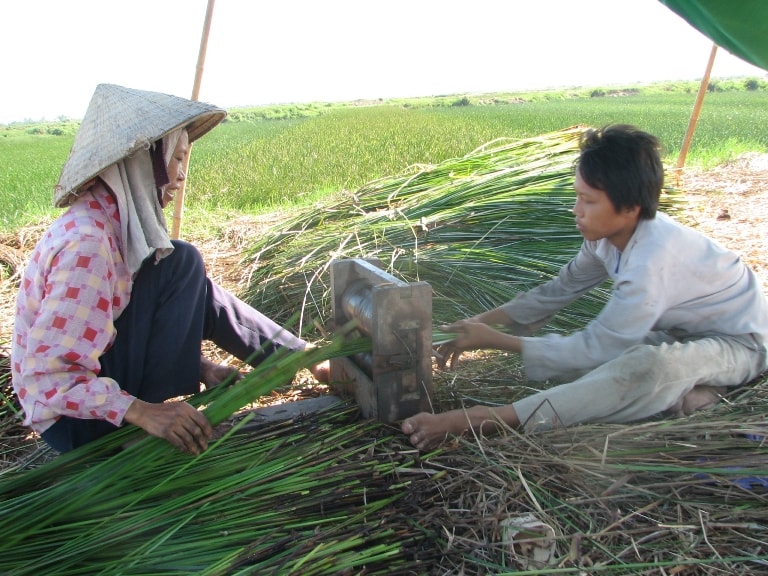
(174, 306)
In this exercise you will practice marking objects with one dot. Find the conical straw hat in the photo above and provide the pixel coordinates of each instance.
(120, 121)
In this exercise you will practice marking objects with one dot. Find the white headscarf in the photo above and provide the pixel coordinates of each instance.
(143, 226)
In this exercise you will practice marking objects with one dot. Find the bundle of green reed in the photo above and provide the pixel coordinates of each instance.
(478, 228)
(309, 497)
(464, 221)
(314, 497)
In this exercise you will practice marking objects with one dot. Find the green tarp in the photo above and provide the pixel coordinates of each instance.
(739, 26)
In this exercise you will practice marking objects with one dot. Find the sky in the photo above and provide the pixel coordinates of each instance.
(55, 52)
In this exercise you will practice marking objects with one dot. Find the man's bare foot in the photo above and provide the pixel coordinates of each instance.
(212, 374)
(426, 430)
(699, 398)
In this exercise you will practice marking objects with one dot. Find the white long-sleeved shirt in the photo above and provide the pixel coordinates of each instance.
(668, 278)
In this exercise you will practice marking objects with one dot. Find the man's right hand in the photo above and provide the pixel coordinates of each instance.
(177, 422)
(472, 334)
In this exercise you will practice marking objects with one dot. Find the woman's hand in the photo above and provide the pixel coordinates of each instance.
(177, 422)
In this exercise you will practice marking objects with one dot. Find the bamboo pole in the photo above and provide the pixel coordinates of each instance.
(178, 204)
(695, 114)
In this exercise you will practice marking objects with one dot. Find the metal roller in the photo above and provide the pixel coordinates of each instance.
(357, 304)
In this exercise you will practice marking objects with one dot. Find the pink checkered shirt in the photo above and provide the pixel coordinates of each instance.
(74, 288)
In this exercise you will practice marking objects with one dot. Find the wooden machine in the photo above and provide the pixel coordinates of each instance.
(394, 380)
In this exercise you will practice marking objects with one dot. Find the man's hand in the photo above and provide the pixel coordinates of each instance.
(469, 335)
(472, 334)
(177, 422)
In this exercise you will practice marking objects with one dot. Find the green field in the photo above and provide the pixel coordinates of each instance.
(269, 158)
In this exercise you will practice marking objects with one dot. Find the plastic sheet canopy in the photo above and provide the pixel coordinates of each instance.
(739, 26)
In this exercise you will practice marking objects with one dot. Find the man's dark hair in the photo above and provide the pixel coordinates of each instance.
(625, 163)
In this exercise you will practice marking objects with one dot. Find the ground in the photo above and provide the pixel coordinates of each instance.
(728, 202)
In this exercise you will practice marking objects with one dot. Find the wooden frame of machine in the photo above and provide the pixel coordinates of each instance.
(394, 380)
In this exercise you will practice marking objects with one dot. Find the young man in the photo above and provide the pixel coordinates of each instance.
(686, 317)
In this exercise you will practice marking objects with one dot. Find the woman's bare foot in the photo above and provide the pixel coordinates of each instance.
(212, 374)
(426, 430)
(322, 372)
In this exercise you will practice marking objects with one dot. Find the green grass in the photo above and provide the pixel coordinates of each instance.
(270, 158)
(264, 165)
(29, 168)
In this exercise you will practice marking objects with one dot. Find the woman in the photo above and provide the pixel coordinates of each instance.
(111, 313)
